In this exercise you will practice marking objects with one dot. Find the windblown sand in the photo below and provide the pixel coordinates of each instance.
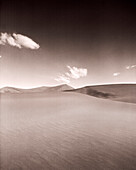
(66, 131)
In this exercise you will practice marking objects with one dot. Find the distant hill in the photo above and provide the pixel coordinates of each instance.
(9, 90)
(118, 92)
(36, 90)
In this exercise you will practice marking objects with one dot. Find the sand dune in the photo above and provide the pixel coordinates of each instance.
(66, 131)
(118, 92)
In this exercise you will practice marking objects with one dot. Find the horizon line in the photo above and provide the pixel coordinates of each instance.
(95, 84)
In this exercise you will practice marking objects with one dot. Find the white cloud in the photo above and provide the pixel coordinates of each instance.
(76, 73)
(0, 56)
(18, 40)
(127, 67)
(130, 67)
(133, 66)
(63, 79)
(116, 74)
(25, 41)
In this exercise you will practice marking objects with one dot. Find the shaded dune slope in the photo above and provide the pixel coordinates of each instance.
(118, 92)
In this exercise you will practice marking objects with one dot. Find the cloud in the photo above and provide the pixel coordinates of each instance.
(73, 73)
(76, 73)
(63, 79)
(18, 40)
(0, 56)
(130, 67)
(116, 74)
(127, 67)
(133, 66)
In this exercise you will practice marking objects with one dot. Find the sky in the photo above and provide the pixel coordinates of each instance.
(74, 42)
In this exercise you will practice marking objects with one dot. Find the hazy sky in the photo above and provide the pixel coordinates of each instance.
(75, 42)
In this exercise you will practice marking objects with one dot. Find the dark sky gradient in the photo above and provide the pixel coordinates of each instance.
(99, 35)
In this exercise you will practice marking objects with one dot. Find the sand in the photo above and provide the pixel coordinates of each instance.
(66, 131)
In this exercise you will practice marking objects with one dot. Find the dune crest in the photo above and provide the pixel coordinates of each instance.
(116, 92)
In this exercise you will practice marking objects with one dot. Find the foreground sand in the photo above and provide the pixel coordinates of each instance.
(66, 131)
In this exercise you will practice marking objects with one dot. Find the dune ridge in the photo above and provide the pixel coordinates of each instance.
(116, 92)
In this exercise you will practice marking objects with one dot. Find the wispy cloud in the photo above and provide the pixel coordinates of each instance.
(116, 74)
(130, 67)
(133, 66)
(127, 67)
(18, 40)
(76, 73)
(73, 73)
(63, 79)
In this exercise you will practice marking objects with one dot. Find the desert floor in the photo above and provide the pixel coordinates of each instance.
(66, 131)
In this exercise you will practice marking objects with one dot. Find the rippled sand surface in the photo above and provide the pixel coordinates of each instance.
(66, 131)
